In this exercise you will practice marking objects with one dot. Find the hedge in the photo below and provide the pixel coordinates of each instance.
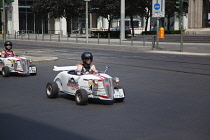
(104, 34)
(166, 32)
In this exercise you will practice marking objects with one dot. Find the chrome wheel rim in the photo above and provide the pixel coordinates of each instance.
(49, 90)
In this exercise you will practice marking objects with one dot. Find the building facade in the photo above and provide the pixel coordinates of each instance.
(199, 17)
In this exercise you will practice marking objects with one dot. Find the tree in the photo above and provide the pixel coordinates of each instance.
(41, 8)
(109, 9)
(134, 8)
(169, 12)
(58, 8)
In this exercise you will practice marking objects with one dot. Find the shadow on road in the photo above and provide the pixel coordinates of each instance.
(15, 127)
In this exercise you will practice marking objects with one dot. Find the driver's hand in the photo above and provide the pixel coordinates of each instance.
(79, 73)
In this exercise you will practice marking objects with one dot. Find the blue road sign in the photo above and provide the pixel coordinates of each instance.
(157, 6)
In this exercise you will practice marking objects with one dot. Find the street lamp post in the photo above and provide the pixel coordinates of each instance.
(3, 21)
(86, 25)
(122, 20)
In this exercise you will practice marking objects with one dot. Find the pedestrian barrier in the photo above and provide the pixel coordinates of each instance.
(79, 38)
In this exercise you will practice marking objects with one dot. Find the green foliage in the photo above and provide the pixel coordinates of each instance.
(166, 32)
(1, 6)
(58, 8)
(135, 7)
(9, 1)
(181, 7)
(104, 34)
(109, 9)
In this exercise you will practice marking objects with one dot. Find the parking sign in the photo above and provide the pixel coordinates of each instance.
(158, 8)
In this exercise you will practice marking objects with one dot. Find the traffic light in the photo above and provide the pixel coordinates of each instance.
(185, 6)
(6, 2)
(9, 1)
(178, 4)
(1, 4)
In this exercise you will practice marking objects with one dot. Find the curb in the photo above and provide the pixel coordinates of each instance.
(146, 49)
(41, 59)
(180, 53)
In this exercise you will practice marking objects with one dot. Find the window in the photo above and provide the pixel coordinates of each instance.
(206, 13)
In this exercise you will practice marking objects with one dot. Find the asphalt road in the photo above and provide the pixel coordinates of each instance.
(167, 98)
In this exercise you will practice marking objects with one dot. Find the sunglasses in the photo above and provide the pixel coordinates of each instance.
(87, 58)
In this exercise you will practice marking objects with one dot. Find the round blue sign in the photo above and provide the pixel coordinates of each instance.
(157, 6)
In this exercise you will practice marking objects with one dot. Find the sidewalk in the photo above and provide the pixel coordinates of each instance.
(199, 49)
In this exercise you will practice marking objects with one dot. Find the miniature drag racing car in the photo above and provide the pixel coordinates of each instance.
(85, 86)
(19, 65)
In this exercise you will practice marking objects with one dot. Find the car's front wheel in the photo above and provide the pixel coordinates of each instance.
(52, 90)
(5, 71)
(81, 97)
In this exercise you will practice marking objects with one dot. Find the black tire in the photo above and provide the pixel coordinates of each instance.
(5, 71)
(52, 90)
(81, 97)
(33, 74)
(119, 99)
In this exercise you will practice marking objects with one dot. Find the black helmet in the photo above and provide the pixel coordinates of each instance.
(7, 43)
(87, 55)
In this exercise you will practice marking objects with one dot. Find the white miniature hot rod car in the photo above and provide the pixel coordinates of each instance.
(15, 64)
(85, 86)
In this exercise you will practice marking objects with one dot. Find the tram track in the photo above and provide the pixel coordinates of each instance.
(173, 63)
(184, 69)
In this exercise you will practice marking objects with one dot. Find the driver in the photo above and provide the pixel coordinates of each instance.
(85, 66)
(8, 50)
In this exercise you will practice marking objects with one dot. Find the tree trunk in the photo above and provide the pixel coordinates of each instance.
(147, 20)
(68, 21)
(162, 22)
(169, 23)
(109, 25)
(110, 21)
(131, 17)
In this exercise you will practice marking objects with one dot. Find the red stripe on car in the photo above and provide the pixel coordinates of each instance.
(103, 96)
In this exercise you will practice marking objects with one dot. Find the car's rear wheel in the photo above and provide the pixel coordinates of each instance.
(5, 71)
(81, 97)
(52, 90)
(119, 99)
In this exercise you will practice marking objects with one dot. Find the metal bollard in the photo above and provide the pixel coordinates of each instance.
(76, 38)
(15, 34)
(21, 36)
(98, 38)
(67, 37)
(120, 40)
(43, 37)
(131, 40)
(59, 39)
(50, 36)
(35, 36)
(108, 38)
(153, 42)
(8, 35)
(144, 40)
